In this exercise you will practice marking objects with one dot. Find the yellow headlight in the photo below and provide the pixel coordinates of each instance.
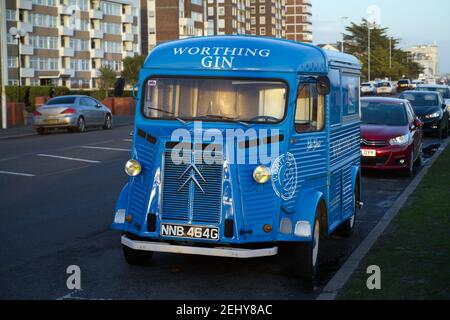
(261, 174)
(133, 168)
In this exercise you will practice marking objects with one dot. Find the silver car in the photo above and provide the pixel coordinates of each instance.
(75, 113)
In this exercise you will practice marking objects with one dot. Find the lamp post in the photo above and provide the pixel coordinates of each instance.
(370, 26)
(18, 35)
(344, 20)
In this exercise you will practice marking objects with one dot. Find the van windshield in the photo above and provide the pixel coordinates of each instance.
(215, 99)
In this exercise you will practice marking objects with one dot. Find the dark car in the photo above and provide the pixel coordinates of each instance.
(443, 89)
(403, 85)
(391, 135)
(431, 109)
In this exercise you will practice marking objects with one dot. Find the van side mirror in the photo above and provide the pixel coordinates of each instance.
(323, 85)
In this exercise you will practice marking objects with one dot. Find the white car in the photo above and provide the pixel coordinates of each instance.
(386, 88)
(368, 88)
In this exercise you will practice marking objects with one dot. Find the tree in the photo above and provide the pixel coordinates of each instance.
(131, 67)
(382, 48)
(107, 79)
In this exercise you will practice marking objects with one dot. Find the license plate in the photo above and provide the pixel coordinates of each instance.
(189, 232)
(52, 121)
(403, 85)
(369, 153)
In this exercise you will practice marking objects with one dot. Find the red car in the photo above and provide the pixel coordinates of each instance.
(391, 135)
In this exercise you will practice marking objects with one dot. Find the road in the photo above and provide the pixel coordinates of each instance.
(57, 197)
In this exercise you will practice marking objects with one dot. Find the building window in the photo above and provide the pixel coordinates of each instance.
(220, 11)
(44, 42)
(44, 64)
(111, 28)
(11, 15)
(262, 9)
(12, 62)
(112, 47)
(112, 9)
(10, 39)
(262, 31)
(79, 44)
(42, 20)
(13, 82)
(48, 3)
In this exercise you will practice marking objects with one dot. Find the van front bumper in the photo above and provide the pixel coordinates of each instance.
(225, 252)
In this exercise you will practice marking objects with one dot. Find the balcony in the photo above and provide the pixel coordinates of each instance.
(24, 4)
(127, 54)
(65, 31)
(26, 73)
(66, 52)
(96, 14)
(97, 53)
(67, 72)
(66, 10)
(95, 73)
(127, 18)
(26, 50)
(96, 34)
(127, 37)
(25, 26)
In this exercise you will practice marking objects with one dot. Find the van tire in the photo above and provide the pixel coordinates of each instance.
(136, 257)
(348, 227)
(305, 255)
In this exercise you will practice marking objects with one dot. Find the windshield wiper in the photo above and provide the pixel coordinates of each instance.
(214, 116)
(170, 113)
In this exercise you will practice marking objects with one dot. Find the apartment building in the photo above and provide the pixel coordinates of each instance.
(428, 57)
(65, 42)
(228, 17)
(299, 20)
(268, 18)
(165, 20)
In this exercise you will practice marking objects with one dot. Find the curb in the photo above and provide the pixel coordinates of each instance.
(339, 280)
(18, 136)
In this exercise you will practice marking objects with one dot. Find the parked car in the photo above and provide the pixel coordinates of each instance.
(416, 83)
(444, 90)
(391, 135)
(431, 109)
(74, 113)
(385, 88)
(403, 85)
(368, 88)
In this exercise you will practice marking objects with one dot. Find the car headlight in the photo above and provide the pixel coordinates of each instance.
(400, 141)
(261, 174)
(433, 115)
(133, 168)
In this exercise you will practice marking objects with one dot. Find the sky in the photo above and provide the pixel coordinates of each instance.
(415, 22)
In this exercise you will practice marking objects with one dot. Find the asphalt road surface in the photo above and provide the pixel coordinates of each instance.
(57, 197)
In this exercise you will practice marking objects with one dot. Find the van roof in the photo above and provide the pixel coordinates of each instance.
(246, 53)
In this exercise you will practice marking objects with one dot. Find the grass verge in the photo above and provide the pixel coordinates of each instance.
(414, 252)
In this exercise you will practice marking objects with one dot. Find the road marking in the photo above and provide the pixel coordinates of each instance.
(105, 148)
(128, 140)
(67, 158)
(17, 174)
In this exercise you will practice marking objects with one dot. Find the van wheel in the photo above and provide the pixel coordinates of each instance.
(305, 255)
(136, 257)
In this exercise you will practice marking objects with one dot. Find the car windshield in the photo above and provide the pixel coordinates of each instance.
(215, 99)
(383, 113)
(366, 85)
(61, 100)
(445, 92)
(403, 82)
(422, 99)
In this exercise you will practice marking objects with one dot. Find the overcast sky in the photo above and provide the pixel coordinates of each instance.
(414, 21)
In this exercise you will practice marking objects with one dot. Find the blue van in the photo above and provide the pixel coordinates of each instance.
(242, 144)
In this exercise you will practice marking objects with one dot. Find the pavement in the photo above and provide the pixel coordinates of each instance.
(57, 198)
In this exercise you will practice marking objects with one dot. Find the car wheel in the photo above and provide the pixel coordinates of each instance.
(419, 161)
(409, 171)
(81, 125)
(305, 255)
(136, 257)
(108, 122)
(41, 131)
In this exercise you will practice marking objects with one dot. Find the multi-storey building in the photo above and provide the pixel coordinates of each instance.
(65, 42)
(428, 57)
(299, 20)
(165, 20)
(228, 17)
(268, 18)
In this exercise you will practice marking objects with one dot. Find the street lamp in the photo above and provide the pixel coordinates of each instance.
(18, 35)
(370, 26)
(344, 20)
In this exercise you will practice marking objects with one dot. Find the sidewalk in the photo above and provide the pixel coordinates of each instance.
(22, 131)
(413, 253)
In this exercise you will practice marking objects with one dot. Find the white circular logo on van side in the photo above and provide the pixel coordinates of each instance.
(284, 176)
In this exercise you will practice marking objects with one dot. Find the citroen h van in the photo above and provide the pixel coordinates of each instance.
(242, 144)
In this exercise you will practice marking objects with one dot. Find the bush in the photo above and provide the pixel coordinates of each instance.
(12, 93)
(98, 94)
(60, 91)
(38, 91)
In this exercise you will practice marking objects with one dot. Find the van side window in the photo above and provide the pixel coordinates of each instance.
(350, 87)
(310, 112)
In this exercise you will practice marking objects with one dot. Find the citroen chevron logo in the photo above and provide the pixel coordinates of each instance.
(191, 171)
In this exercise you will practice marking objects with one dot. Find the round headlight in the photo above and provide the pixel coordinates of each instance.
(133, 168)
(261, 174)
